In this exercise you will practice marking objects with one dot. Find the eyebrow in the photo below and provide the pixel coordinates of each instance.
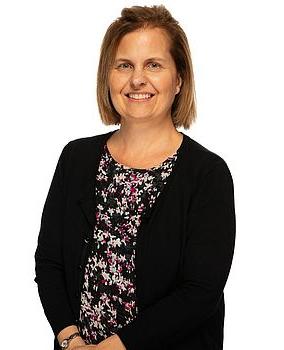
(148, 59)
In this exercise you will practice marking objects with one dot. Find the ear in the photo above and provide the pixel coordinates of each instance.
(179, 83)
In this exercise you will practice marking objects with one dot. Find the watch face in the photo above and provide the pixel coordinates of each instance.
(64, 344)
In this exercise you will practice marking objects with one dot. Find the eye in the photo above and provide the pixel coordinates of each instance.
(155, 65)
(123, 66)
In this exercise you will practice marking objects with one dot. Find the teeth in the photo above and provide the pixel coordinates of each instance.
(140, 96)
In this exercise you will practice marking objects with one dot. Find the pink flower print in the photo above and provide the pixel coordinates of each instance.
(128, 306)
(134, 177)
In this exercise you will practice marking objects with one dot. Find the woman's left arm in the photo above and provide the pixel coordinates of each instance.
(207, 261)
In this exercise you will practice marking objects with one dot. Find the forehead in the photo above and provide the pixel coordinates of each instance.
(153, 42)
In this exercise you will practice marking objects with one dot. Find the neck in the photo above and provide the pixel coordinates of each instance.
(139, 139)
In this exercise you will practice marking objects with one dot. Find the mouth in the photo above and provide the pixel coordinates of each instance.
(140, 97)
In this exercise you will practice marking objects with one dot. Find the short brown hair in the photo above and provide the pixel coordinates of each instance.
(133, 18)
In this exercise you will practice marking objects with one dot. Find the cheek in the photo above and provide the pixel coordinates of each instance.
(165, 83)
(117, 82)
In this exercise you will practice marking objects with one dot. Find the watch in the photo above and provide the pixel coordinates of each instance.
(64, 344)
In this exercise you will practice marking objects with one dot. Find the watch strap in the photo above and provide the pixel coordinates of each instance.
(64, 344)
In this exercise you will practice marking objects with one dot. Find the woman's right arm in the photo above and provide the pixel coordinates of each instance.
(49, 268)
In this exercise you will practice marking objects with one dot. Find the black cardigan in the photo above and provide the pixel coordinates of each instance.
(184, 251)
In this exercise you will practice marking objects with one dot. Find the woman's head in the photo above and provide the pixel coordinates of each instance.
(127, 65)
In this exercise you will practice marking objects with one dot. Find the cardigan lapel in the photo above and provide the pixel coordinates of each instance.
(87, 198)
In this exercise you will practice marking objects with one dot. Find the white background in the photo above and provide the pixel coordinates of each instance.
(48, 61)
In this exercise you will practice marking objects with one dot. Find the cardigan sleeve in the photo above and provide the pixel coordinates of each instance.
(48, 258)
(209, 246)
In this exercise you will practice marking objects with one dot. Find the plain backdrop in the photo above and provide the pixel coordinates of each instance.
(48, 62)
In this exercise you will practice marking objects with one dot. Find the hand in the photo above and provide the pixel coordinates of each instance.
(111, 343)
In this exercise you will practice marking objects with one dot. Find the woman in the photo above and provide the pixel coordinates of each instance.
(138, 228)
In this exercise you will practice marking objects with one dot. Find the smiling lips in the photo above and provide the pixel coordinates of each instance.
(139, 97)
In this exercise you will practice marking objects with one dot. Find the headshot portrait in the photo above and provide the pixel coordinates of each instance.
(137, 232)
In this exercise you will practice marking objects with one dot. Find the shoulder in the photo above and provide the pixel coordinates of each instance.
(83, 143)
(81, 147)
(80, 153)
(200, 161)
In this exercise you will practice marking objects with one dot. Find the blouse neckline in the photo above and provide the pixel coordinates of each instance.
(156, 167)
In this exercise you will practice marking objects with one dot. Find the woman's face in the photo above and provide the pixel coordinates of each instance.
(143, 64)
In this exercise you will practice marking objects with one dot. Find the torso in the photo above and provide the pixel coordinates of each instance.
(124, 196)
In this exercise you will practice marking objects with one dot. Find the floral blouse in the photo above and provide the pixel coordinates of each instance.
(108, 294)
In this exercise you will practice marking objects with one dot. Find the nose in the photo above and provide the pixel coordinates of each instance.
(138, 78)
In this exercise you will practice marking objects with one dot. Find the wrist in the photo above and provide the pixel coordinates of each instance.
(78, 341)
(66, 333)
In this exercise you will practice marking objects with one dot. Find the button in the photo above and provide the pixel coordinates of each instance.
(86, 240)
(80, 267)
